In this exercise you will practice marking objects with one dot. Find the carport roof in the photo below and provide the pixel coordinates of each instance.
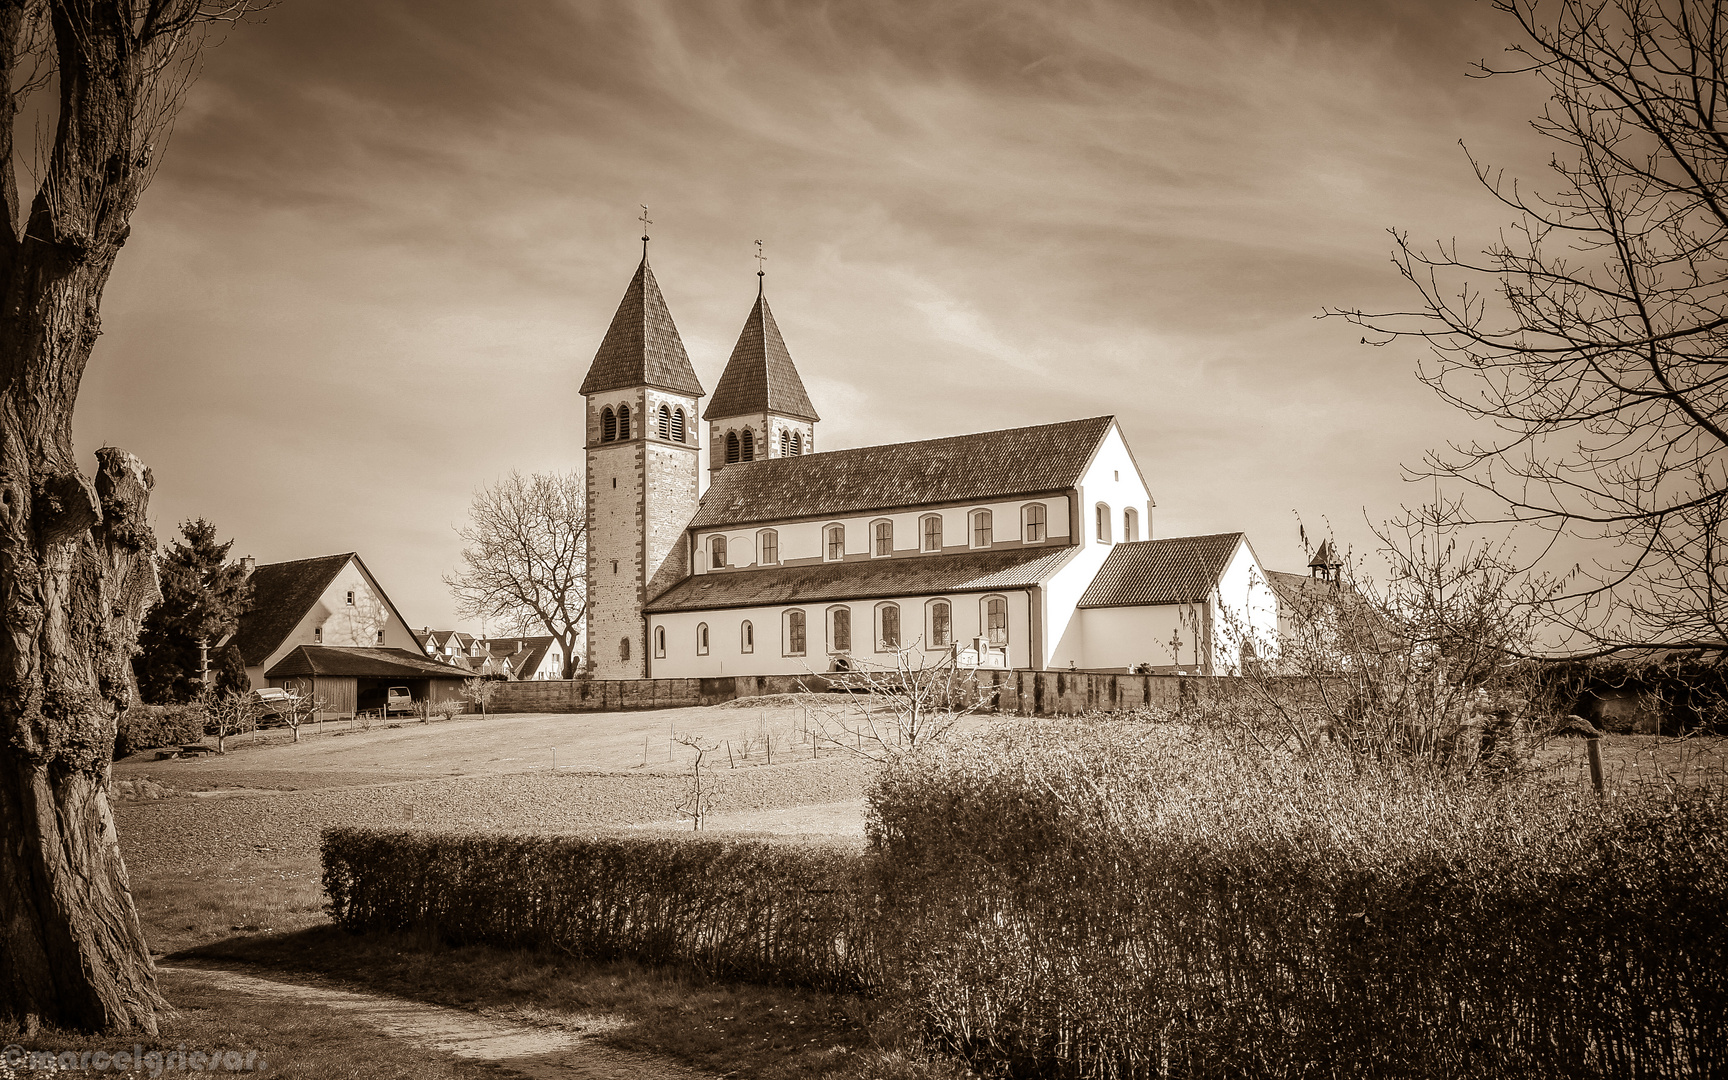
(361, 663)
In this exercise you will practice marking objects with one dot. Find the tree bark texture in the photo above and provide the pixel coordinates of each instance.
(76, 556)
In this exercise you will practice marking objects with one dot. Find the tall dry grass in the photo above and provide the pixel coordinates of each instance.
(1134, 900)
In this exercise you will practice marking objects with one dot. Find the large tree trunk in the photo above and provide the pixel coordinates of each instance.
(76, 566)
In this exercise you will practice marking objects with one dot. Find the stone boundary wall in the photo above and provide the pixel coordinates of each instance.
(1029, 693)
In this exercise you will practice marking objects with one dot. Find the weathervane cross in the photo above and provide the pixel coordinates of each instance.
(760, 259)
(645, 224)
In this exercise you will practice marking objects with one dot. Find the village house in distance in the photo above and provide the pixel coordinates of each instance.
(1031, 547)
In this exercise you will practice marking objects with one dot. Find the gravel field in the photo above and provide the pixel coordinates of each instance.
(173, 833)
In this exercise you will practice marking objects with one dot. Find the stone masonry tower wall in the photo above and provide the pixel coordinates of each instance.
(642, 472)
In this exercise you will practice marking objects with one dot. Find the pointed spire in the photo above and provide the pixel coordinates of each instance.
(642, 346)
(760, 376)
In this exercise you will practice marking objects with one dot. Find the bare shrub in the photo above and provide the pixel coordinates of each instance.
(230, 713)
(1120, 900)
(894, 709)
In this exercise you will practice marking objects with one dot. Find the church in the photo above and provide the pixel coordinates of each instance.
(1029, 547)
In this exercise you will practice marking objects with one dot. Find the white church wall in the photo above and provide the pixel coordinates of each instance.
(726, 656)
(1112, 479)
(805, 541)
(1247, 611)
(1123, 637)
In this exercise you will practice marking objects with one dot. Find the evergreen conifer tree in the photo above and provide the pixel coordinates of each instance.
(203, 596)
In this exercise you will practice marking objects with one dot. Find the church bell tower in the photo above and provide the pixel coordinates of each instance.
(759, 409)
(642, 439)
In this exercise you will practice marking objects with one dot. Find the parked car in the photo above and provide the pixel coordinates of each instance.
(272, 702)
(398, 701)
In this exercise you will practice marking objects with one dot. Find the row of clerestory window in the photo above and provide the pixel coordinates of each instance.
(939, 627)
(669, 424)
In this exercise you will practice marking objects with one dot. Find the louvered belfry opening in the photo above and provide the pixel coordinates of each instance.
(608, 425)
(665, 422)
(731, 448)
(678, 425)
(749, 445)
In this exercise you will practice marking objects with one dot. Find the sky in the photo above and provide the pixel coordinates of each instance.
(387, 236)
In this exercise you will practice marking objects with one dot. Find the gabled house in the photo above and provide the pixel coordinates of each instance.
(327, 619)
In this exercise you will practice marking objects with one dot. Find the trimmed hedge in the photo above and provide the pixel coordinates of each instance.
(765, 911)
(142, 727)
(1138, 902)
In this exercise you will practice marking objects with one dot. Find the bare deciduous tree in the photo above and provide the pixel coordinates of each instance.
(481, 690)
(894, 709)
(525, 558)
(230, 713)
(76, 568)
(1594, 333)
(700, 788)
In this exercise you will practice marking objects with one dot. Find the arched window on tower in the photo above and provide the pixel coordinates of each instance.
(749, 442)
(623, 421)
(608, 425)
(624, 648)
(785, 443)
(731, 448)
(677, 425)
(797, 443)
(665, 422)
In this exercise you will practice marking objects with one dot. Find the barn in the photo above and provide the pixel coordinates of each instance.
(354, 680)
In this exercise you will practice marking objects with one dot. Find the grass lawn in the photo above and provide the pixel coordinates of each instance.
(237, 904)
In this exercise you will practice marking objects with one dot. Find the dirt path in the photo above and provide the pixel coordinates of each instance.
(540, 1053)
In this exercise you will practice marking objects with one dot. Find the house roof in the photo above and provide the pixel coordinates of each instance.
(282, 593)
(530, 658)
(960, 468)
(760, 376)
(642, 346)
(360, 663)
(971, 571)
(1177, 570)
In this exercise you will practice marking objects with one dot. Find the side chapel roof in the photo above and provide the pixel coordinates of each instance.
(1176, 570)
(642, 346)
(760, 376)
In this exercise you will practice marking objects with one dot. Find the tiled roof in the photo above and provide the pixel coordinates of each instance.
(1179, 570)
(760, 376)
(970, 571)
(642, 346)
(961, 468)
(361, 663)
(282, 594)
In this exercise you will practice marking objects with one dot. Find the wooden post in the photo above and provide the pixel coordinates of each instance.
(1593, 745)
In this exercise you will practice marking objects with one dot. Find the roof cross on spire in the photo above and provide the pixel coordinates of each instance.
(761, 271)
(645, 224)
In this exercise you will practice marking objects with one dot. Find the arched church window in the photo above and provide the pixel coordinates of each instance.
(717, 553)
(749, 442)
(932, 532)
(887, 627)
(941, 623)
(883, 538)
(840, 629)
(797, 443)
(665, 422)
(746, 637)
(660, 641)
(836, 543)
(701, 639)
(623, 421)
(996, 620)
(678, 425)
(794, 633)
(1032, 523)
(608, 425)
(770, 543)
(1103, 523)
(731, 448)
(983, 529)
(785, 443)
(1130, 524)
